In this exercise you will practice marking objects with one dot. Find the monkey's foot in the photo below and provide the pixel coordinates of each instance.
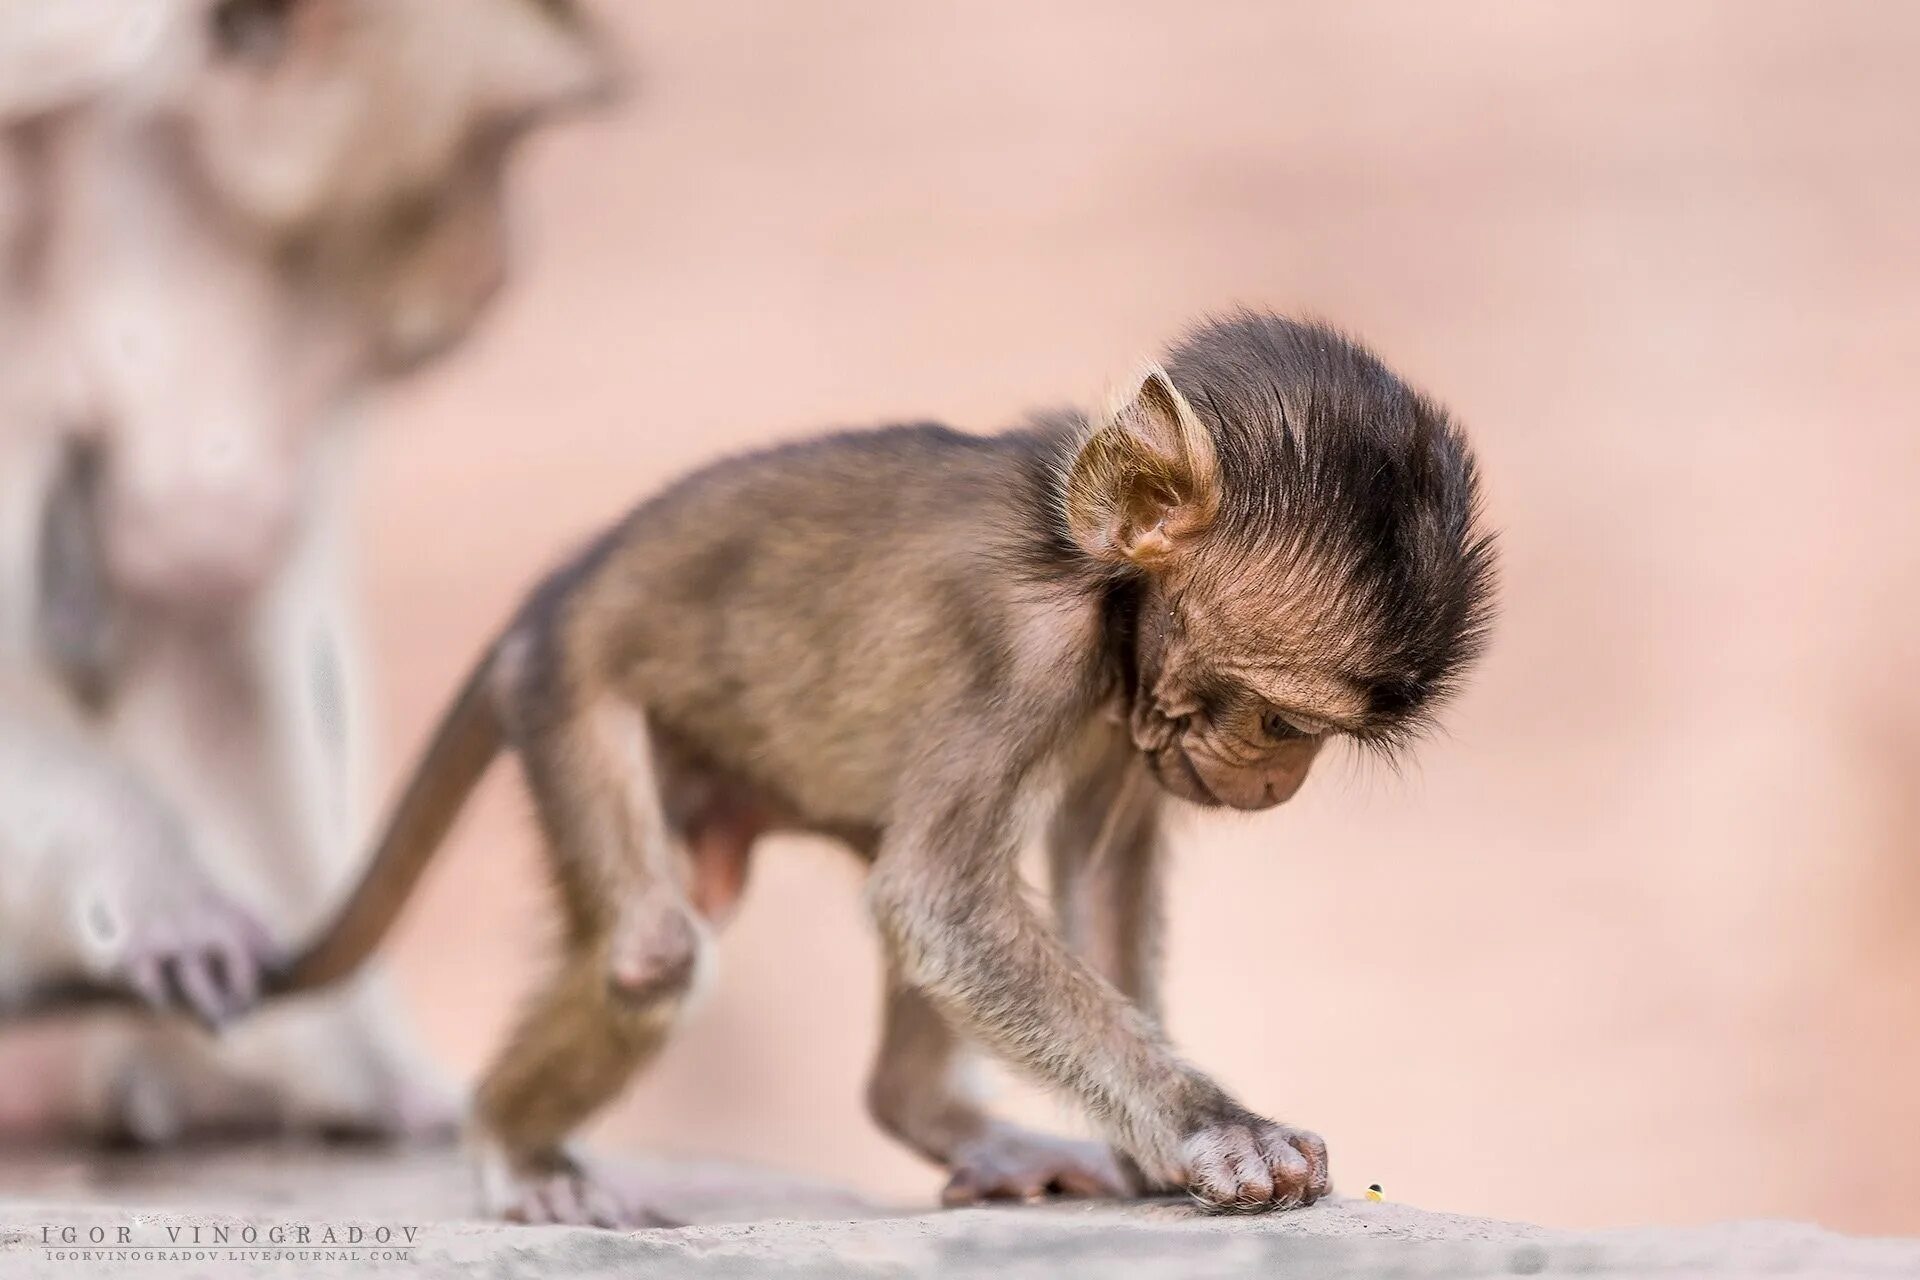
(1253, 1165)
(1009, 1163)
(561, 1191)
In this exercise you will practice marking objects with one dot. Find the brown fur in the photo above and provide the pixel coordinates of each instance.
(904, 637)
(464, 745)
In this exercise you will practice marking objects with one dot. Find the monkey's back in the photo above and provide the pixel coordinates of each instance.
(777, 610)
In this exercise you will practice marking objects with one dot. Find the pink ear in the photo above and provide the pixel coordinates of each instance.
(1146, 479)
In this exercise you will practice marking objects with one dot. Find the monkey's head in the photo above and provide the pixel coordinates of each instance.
(258, 209)
(1298, 533)
(363, 144)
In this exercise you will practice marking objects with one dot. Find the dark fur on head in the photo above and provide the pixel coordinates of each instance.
(1328, 459)
(1298, 531)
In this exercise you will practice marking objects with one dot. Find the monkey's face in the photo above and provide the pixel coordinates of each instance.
(1223, 714)
(285, 200)
(362, 146)
(1304, 547)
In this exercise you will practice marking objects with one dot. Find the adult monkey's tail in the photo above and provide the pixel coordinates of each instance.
(470, 735)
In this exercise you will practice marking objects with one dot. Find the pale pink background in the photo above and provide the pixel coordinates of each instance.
(1636, 940)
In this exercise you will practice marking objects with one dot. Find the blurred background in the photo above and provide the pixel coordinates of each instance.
(1634, 941)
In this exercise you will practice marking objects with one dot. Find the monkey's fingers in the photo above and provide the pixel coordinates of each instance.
(1319, 1170)
(1235, 1177)
(1253, 1166)
(197, 991)
(252, 957)
(970, 1187)
(167, 980)
(559, 1200)
(239, 970)
(219, 971)
(569, 1196)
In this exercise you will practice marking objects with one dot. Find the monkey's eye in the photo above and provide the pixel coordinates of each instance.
(1276, 724)
(251, 28)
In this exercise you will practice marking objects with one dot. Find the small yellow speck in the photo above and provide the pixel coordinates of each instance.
(1374, 1194)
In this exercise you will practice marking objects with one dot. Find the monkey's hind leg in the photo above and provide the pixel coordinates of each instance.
(576, 1047)
(634, 949)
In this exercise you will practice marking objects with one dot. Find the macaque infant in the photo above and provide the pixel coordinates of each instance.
(904, 638)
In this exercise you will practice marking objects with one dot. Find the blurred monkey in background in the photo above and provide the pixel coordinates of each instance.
(220, 221)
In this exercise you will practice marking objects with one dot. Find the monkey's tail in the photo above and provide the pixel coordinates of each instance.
(470, 735)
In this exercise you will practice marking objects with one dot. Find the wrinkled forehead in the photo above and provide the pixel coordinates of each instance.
(1287, 629)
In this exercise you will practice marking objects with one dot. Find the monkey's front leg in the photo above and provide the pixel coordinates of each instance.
(948, 900)
(1106, 859)
(1104, 856)
(919, 1094)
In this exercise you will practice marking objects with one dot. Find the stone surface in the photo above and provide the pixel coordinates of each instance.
(189, 1214)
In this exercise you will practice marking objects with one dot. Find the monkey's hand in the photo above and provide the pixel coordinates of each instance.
(194, 951)
(1244, 1164)
(1007, 1162)
(106, 897)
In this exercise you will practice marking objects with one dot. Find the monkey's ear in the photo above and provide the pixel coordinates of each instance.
(536, 59)
(1146, 480)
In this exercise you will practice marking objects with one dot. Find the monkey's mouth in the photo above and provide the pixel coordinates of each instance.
(1181, 778)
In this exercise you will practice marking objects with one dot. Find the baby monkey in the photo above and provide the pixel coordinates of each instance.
(902, 638)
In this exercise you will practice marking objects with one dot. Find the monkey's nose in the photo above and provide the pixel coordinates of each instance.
(1281, 784)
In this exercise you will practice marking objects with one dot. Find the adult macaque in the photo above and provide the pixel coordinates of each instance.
(902, 638)
(221, 221)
